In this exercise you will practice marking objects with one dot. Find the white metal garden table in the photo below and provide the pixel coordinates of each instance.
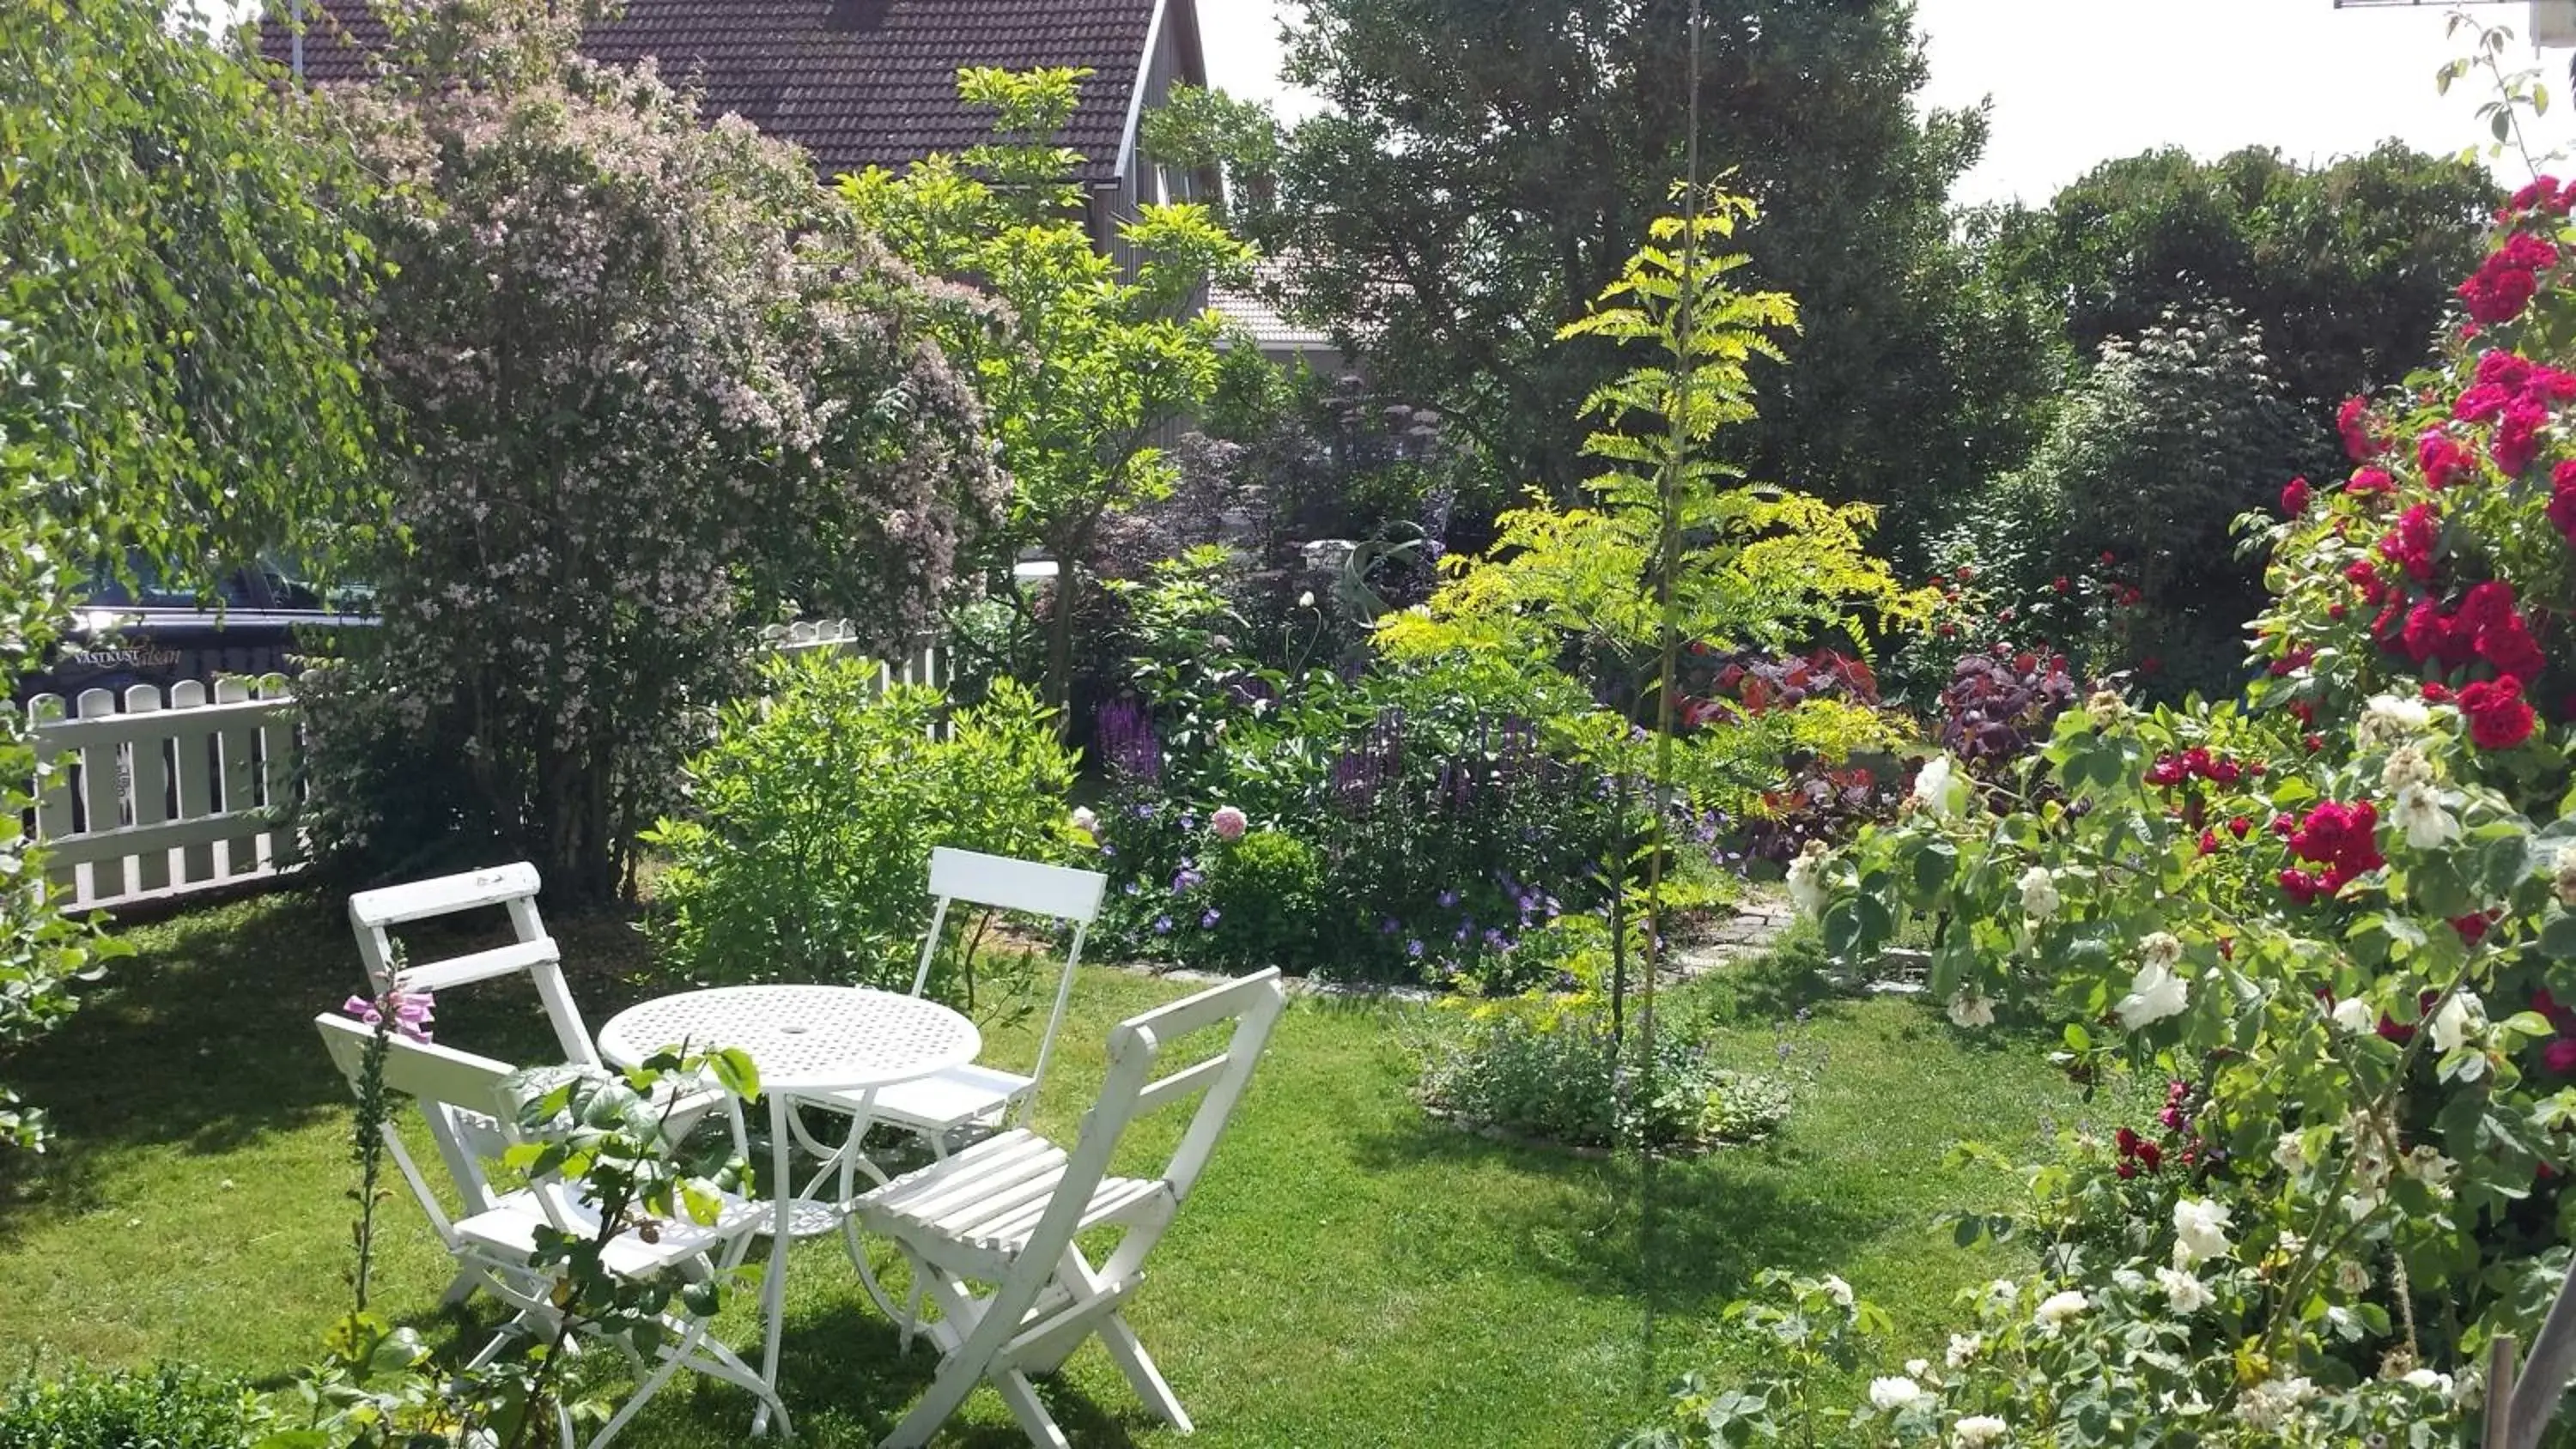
(803, 1039)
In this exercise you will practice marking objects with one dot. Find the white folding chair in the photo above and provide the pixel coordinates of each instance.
(936, 1107)
(495, 1235)
(1005, 1212)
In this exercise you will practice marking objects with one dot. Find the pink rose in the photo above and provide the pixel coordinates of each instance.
(1228, 823)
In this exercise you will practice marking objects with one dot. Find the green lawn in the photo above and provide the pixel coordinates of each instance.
(1347, 1274)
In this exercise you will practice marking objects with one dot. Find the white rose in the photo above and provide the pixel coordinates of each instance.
(2564, 868)
(2419, 813)
(2389, 718)
(2354, 1015)
(2183, 1292)
(2059, 1309)
(1306, 600)
(1893, 1395)
(1085, 821)
(2291, 1153)
(1838, 1290)
(2106, 708)
(2459, 1022)
(2161, 948)
(2427, 1166)
(1963, 1348)
(2359, 1205)
(2002, 1293)
(1916, 1368)
(1807, 880)
(1970, 1008)
(2406, 766)
(2154, 994)
(2200, 1230)
(2039, 897)
(2270, 1403)
(2424, 1378)
(1976, 1431)
(1932, 785)
(2351, 1277)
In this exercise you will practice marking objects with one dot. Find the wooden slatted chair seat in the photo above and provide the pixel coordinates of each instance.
(975, 1211)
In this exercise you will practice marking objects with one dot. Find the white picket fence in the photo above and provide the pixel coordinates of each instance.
(925, 662)
(145, 796)
(148, 796)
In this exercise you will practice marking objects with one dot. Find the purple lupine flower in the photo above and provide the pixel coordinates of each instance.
(1495, 938)
(1125, 733)
(411, 1011)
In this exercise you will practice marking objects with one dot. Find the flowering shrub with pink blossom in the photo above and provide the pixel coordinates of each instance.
(2341, 919)
(653, 393)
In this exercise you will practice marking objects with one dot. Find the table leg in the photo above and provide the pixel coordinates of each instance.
(773, 1284)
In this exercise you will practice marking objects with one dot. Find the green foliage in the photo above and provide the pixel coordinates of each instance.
(180, 308)
(647, 411)
(1268, 892)
(1440, 241)
(2151, 457)
(1564, 1079)
(2344, 269)
(167, 1408)
(814, 814)
(1087, 358)
(1676, 544)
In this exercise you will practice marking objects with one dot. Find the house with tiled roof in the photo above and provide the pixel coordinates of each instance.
(872, 82)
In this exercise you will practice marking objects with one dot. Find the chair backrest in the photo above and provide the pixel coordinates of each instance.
(1030, 887)
(1134, 1088)
(458, 1092)
(1131, 1091)
(373, 915)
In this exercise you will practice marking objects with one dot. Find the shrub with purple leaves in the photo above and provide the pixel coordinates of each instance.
(2000, 704)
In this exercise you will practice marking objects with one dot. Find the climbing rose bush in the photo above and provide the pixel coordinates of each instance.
(655, 393)
(2340, 919)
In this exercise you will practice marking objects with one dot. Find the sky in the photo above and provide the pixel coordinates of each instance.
(2076, 82)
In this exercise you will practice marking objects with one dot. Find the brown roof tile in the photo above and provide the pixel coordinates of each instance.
(853, 81)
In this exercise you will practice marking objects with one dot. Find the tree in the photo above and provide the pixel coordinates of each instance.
(2346, 269)
(654, 394)
(1484, 168)
(177, 375)
(1084, 364)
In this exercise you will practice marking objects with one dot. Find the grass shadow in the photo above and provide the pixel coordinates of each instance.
(1678, 1235)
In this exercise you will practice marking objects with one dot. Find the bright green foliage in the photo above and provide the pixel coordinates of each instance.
(1083, 363)
(1746, 564)
(166, 1408)
(179, 305)
(1267, 890)
(815, 812)
(1558, 1081)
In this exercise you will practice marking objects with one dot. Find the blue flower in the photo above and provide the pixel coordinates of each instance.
(1413, 949)
(1162, 925)
(1448, 898)
(1208, 920)
(1496, 939)
(1135, 888)
(1389, 926)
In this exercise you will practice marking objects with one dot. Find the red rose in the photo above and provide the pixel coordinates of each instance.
(2436, 692)
(2239, 826)
(2370, 482)
(2562, 500)
(2209, 842)
(2353, 421)
(2472, 927)
(2410, 545)
(2517, 437)
(2060, 584)
(2498, 717)
(2294, 497)
(2560, 1055)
